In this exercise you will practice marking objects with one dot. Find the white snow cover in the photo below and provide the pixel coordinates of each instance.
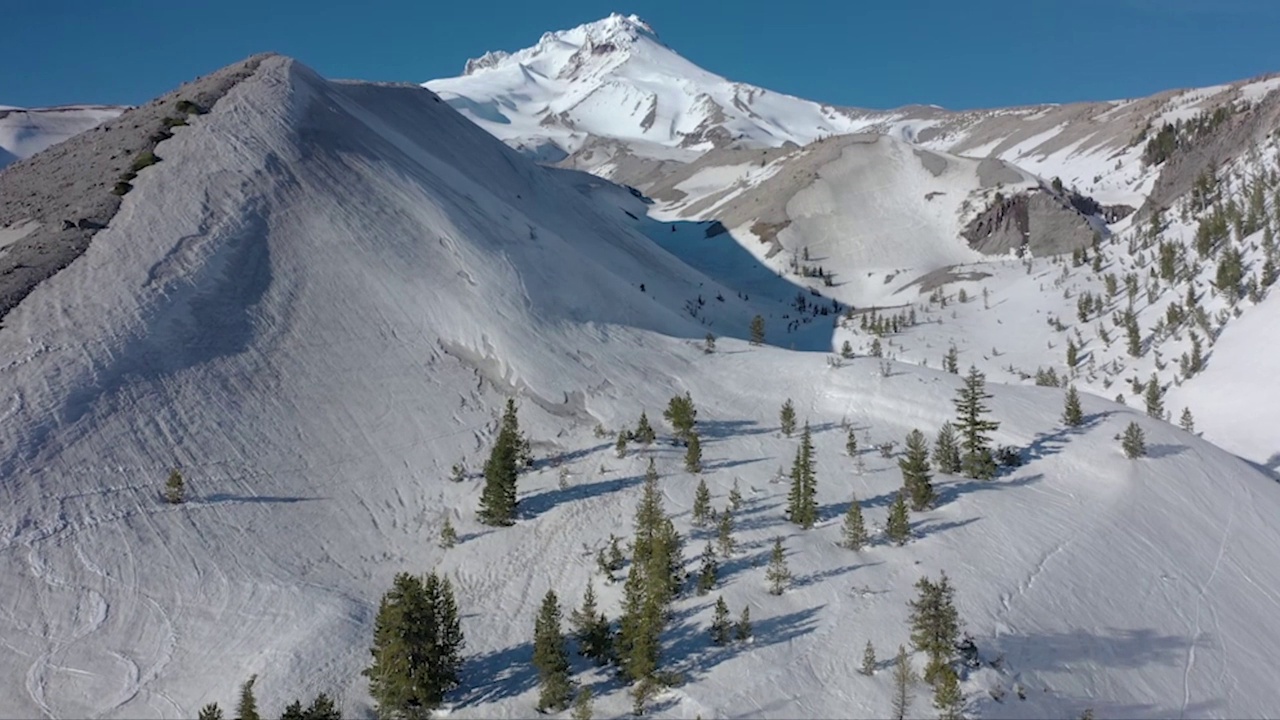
(315, 305)
(26, 131)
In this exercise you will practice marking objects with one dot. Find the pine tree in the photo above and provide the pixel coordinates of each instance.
(947, 698)
(787, 418)
(652, 582)
(720, 622)
(854, 530)
(210, 712)
(1196, 363)
(498, 498)
(701, 503)
(868, 659)
(802, 502)
(709, 344)
(550, 657)
(591, 628)
(644, 431)
(293, 711)
(620, 447)
(742, 628)
(777, 574)
(851, 442)
(1186, 422)
(1073, 354)
(846, 350)
(1071, 413)
(903, 678)
(322, 708)
(757, 330)
(247, 706)
(724, 534)
(914, 465)
(898, 528)
(1133, 442)
(693, 454)
(951, 361)
(946, 455)
(973, 426)
(735, 496)
(1154, 398)
(710, 568)
(583, 708)
(417, 646)
(935, 624)
(682, 415)
(448, 535)
(175, 488)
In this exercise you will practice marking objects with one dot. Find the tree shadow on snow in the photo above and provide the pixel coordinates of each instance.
(269, 499)
(725, 464)
(817, 577)
(719, 429)
(532, 506)
(498, 675)
(926, 528)
(1165, 450)
(568, 456)
(689, 643)
(1051, 443)
(1114, 648)
(963, 486)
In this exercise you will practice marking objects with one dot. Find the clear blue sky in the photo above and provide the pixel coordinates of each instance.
(954, 53)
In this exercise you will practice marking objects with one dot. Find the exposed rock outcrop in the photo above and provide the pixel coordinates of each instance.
(73, 189)
(1037, 222)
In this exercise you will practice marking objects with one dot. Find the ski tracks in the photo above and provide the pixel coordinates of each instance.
(1203, 589)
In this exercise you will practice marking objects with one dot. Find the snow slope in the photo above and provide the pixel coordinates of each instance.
(316, 304)
(26, 131)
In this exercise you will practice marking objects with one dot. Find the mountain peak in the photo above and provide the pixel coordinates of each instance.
(607, 36)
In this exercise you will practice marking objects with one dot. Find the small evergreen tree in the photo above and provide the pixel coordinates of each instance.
(787, 418)
(898, 528)
(591, 628)
(498, 498)
(1154, 398)
(802, 503)
(851, 442)
(644, 431)
(701, 503)
(550, 657)
(1071, 413)
(757, 330)
(620, 447)
(946, 455)
(854, 531)
(693, 454)
(973, 426)
(448, 535)
(1133, 442)
(735, 496)
(778, 575)
(724, 534)
(710, 568)
(914, 465)
(247, 706)
(868, 659)
(903, 679)
(583, 708)
(951, 361)
(947, 698)
(846, 350)
(1073, 354)
(935, 624)
(742, 628)
(682, 415)
(1186, 422)
(210, 712)
(709, 344)
(720, 622)
(175, 490)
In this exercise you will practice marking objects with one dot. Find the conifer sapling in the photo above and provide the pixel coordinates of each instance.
(777, 574)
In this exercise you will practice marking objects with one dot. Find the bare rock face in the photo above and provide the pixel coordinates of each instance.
(63, 196)
(1037, 222)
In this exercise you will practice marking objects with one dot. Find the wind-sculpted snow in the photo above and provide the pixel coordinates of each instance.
(315, 306)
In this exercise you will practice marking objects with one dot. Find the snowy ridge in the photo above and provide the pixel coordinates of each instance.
(26, 131)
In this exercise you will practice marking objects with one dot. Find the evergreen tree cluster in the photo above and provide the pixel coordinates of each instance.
(417, 646)
(510, 452)
(802, 502)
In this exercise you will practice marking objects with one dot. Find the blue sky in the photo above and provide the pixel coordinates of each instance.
(954, 53)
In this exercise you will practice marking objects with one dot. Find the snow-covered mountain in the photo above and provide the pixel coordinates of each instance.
(26, 131)
(315, 298)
